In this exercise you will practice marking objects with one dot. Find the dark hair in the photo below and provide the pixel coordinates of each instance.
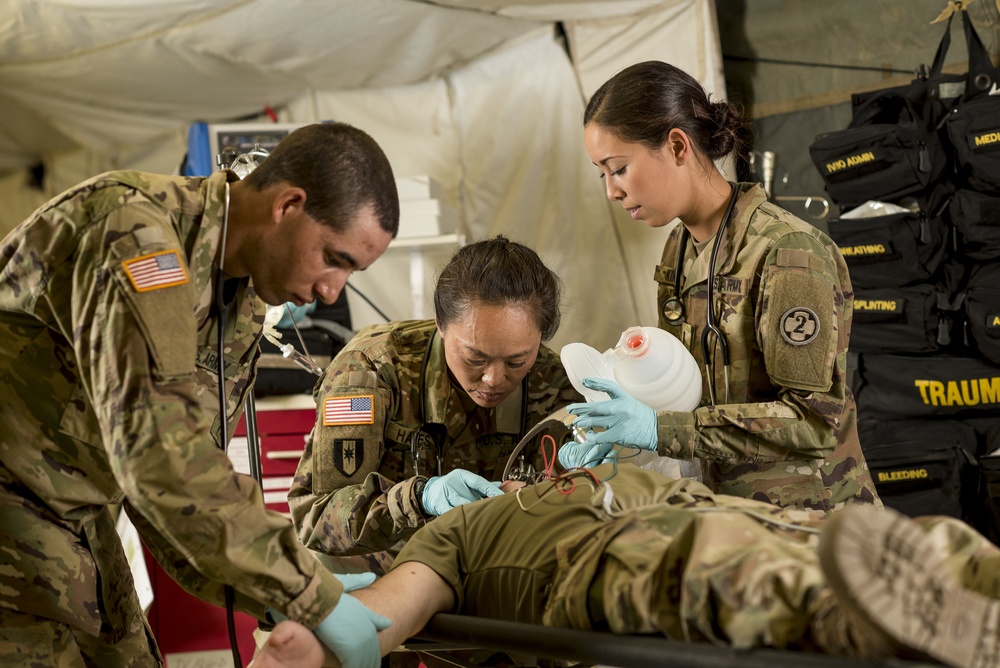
(498, 271)
(643, 102)
(341, 169)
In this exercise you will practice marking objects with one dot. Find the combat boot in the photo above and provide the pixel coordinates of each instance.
(886, 571)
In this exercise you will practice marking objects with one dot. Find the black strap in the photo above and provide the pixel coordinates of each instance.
(942, 50)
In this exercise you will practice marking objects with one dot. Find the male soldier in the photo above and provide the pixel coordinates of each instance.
(419, 416)
(118, 300)
(632, 552)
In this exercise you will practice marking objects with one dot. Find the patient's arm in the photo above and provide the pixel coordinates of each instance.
(409, 595)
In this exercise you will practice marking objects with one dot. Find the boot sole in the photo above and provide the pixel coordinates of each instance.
(885, 570)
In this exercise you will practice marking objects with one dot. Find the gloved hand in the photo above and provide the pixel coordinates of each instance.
(352, 581)
(294, 314)
(583, 455)
(442, 493)
(350, 631)
(625, 419)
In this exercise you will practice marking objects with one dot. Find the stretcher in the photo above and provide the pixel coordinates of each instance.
(448, 632)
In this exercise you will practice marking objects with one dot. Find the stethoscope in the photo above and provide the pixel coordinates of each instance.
(435, 432)
(673, 308)
(223, 305)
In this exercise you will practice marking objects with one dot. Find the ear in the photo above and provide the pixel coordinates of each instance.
(678, 146)
(289, 203)
(439, 328)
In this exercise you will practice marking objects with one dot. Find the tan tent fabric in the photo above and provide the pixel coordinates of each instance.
(481, 95)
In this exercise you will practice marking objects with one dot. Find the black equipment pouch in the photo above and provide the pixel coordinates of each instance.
(974, 123)
(981, 303)
(892, 250)
(910, 386)
(914, 319)
(894, 146)
(921, 467)
(974, 131)
(976, 219)
(885, 154)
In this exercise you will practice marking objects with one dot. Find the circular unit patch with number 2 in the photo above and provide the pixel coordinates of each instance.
(799, 325)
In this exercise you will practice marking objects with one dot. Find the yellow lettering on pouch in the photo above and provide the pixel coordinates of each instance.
(875, 305)
(903, 474)
(986, 139)
(864, 249)
(967, 392)
(850, 161)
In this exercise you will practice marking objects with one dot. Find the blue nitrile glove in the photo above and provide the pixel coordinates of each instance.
(291, 313)
(625, 419)
(444, 492)
(574, 455)
(352, 581)
(350, 631)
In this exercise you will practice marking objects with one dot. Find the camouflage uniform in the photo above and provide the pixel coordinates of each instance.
(108, 394)
(788, 433)
(644, 553)
(355, 488)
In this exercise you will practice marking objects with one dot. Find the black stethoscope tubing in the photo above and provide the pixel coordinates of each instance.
(674, 311)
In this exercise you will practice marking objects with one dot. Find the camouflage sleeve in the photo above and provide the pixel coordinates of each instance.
(135, 353)
(341, 504)
(802, 330)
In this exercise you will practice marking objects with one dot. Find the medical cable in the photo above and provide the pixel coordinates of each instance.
(369, 302)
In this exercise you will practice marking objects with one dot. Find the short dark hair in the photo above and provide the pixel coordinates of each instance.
(498, 271)
(643, 102)
(341, 168)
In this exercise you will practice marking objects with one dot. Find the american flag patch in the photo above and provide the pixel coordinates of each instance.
(155, 271)
(348, 410)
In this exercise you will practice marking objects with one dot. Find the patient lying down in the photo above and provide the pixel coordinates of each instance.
(640, 553)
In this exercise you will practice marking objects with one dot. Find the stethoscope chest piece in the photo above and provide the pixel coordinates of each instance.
(673, 311)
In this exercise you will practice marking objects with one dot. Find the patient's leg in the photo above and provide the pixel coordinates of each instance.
(409, 595)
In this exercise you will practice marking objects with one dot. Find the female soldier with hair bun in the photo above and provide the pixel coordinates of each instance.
(419, 416)
(761, 298)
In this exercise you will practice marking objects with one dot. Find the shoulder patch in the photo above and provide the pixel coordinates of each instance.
(155, 271)
(348, 410)
(799, 326)
(348, 455)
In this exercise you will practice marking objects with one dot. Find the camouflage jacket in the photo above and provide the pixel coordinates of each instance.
(783, 298)
(109, 393)
(353, 492)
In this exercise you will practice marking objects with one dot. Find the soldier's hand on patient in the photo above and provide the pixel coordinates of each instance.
(624, 419)
(350, 631)
(453, 489)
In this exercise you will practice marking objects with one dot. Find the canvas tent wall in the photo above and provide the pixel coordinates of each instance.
(484, 96)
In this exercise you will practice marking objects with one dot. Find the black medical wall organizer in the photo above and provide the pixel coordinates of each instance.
(926, 325)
